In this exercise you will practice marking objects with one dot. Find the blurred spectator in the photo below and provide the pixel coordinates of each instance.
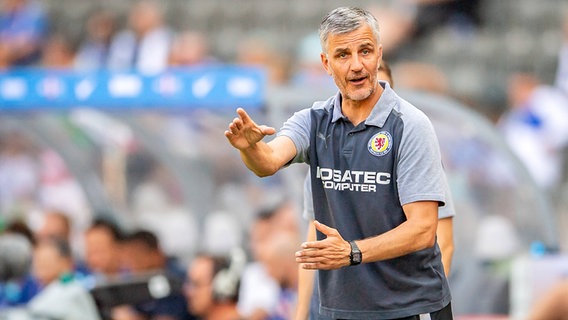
(141, 255)
(397, 23)
(55, 224)
(23, 26)
(421, 76)
(212, 286)
(146, 43)
(18, 173)
(190, 48)
(142, 252)
(459, 15)
(535, 127)
(94, 50)
(59, 225)
(281, 265)
(404, 23)
(59, 190)
(260, 292)
(62, 297)
(58, 52)
(17, 285)
(19, 227)
(102, 249)
(260, 50)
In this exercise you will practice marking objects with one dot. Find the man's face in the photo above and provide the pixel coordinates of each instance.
(199, 289)
(48, 264)
(137, 258)
(353, 59)
(101, 252)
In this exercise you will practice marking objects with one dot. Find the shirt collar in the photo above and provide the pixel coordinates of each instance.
(380, 112)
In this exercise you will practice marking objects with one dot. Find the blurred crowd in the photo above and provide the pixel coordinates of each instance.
(125, 274)
(58, 250)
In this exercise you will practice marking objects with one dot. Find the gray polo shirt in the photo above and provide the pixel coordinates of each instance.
(361, 176)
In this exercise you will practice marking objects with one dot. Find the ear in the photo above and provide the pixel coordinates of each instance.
(325, 63)
(380, 53)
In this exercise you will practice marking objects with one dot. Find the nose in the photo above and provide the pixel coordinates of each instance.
(356, 63)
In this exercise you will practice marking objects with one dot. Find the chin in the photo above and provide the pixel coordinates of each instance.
(360, 95)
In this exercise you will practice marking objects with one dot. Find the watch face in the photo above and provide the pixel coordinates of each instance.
(356, 257)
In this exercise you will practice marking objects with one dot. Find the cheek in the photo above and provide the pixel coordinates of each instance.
(45, 272)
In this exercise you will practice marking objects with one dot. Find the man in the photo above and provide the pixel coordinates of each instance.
(308, 296)
(377, 182)
(260, 291)
(142, 255)
(102, 249)
(281, 266)
(446, 213)
(62, 297)
(212, 287)
(55, 224)
(145, 43)
(23, 27)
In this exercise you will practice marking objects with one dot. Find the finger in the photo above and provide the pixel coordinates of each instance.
(243, 115)
(317, 266)
(309, 266)
(305, 259)
(311, 245)
(309, 252)
(328, 231)
(233, 128)
(238, 123)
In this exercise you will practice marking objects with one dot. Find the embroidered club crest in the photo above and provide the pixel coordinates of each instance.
(380, 144)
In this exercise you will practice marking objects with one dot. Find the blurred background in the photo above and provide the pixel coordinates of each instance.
(114, 111)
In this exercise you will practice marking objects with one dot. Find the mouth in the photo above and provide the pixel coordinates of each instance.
(357, 80)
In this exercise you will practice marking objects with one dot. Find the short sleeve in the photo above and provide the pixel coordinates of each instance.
(420, 176)
(297, 128)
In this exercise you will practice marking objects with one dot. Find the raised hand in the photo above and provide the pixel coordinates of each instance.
(330, 253)
(243, 132)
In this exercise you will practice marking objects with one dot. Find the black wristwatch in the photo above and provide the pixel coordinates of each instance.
(355, 257)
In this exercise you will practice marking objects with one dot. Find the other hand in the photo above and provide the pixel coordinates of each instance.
(330, 253)
(243, 132)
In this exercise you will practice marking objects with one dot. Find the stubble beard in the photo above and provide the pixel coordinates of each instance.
(360, 95)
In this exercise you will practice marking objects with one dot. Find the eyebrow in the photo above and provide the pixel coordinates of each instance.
(363, 45)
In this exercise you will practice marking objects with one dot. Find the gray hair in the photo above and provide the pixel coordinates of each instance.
(344, 20)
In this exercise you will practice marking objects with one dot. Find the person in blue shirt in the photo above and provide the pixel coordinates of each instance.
(23, 27)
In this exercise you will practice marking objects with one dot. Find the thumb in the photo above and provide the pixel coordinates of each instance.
(266, 130)
(328, 231)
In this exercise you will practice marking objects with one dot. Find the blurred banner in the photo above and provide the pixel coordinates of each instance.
(209, 87)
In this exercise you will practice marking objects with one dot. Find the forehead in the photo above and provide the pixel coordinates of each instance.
(46, 250)
(99, 234)
(201, 268)
(362, 35)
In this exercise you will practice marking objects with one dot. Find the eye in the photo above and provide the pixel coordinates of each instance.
(366, 51)
(342, 55)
